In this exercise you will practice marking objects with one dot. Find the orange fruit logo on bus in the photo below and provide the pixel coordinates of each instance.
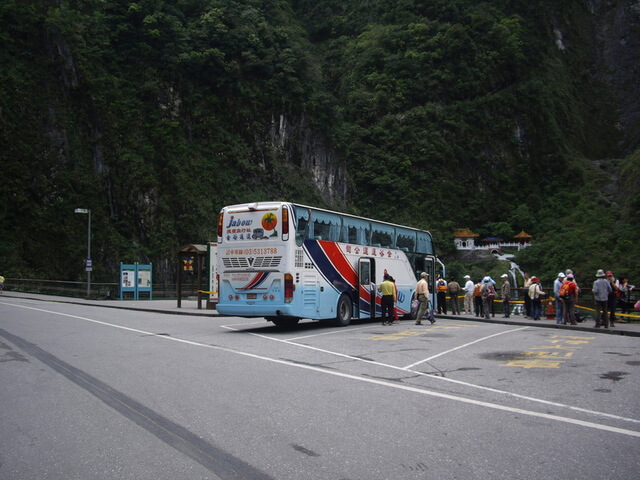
(269, 221)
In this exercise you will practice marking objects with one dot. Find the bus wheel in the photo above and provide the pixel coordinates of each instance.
(284, 322)
(345, 311)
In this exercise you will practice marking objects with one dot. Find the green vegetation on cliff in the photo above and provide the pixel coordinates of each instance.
(441, 113)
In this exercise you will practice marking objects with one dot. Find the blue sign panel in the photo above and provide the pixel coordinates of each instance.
(135, 278)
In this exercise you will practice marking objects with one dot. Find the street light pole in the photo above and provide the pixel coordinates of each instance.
(88, 265)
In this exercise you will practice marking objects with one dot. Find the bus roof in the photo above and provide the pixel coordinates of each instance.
(275, 203)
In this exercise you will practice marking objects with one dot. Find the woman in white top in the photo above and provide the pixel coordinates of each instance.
(536, 293)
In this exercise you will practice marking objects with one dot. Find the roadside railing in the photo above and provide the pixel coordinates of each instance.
(98, 290)
(110, 291)
(585, 305)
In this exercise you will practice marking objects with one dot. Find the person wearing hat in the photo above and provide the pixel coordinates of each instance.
(568, 272)
(569, 295)
(422, 295)
(505, 291)
(468, 294)
(477, 299)
(488, 294)
(557, 285)
(536, 293)
(612, 303)
(527, 298)
(601, 289)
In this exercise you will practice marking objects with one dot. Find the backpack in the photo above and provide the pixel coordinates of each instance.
(565, 290)
(478, 291)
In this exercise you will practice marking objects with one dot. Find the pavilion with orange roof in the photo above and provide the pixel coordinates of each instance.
(465, 239)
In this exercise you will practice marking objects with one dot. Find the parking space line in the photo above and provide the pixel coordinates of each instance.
(333, 332)
(247, 323)
(450, 380)
(408, 367)
(395, 385)
(399, 335)
(309, 347)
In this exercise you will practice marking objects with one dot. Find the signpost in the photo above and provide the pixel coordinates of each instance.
(88, 263)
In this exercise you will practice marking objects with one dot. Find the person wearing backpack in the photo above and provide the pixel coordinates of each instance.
(557, 285)
(441, 291)
(569, 295)
(488, 294)
(477, 302)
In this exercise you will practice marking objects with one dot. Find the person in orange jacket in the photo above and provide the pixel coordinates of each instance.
(441, 291)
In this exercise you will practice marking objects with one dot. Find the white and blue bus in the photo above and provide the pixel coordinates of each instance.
(286, 261)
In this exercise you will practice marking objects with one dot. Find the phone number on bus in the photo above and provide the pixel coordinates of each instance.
(252, 251)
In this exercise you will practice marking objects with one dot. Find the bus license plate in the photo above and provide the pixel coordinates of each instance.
(252, 296)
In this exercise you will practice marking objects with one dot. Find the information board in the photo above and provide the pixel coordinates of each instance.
(135, 278)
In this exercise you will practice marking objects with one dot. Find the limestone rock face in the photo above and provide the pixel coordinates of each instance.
(300, 145)
(617, 31)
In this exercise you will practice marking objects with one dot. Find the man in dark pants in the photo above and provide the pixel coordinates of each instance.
(601, 290)
(506, 295)
(612, 303)
(453, 288)
(388, 290)
(441, 292)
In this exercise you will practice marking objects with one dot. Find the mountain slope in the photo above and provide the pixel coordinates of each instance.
(504, 115)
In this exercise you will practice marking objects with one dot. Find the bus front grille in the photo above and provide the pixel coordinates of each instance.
(255, 262)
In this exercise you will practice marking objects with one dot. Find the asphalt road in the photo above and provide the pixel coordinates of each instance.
(98, 393)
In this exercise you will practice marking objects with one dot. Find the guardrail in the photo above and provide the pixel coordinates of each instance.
(585, 303)
(98, 290)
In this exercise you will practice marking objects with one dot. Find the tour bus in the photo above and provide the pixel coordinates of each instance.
(285, 261)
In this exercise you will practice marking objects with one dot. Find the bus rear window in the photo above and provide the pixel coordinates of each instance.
(254, 225)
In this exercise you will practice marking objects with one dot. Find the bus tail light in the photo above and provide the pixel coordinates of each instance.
(288, 288)
(220, 220)
(285, 223)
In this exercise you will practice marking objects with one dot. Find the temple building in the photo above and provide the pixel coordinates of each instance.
(465, 239)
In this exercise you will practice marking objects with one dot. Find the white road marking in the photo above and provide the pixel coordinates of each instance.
(333, 332)
(373, 381)
(445, 379)
(408, 367)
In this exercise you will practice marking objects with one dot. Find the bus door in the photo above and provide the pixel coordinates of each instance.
(430, 268)
(366, 288)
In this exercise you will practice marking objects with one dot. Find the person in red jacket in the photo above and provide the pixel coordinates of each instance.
(569, 295)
